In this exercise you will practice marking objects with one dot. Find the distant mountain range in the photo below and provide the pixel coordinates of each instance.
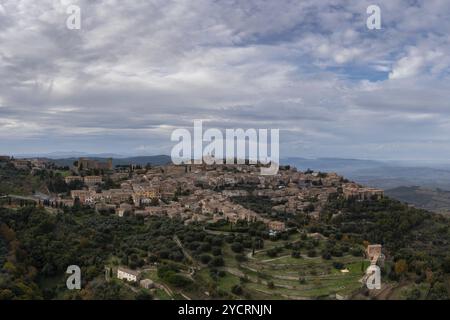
(332, 164)
(141, 160)
(70, 154)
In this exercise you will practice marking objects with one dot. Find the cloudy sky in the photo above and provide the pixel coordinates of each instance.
(139, 69)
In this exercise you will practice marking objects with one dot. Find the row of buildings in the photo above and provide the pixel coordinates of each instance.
(25, 164)
(88, 180)
(208, 193)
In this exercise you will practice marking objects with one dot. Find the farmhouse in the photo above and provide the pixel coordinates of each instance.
(127, 274)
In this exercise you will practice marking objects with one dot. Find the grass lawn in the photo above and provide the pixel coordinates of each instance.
(228, 282)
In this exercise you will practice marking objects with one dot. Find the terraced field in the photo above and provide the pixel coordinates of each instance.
(285, 277)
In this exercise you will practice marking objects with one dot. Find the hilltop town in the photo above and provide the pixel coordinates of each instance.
(197, 193)
(210, 232)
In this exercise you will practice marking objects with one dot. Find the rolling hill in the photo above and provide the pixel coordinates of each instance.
(436, 200)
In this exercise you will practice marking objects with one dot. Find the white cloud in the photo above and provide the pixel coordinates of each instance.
(415, 62)
(310, 68)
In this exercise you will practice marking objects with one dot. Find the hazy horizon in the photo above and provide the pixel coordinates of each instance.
(76, 154)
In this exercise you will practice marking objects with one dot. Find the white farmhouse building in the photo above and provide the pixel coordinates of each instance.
(127, 274)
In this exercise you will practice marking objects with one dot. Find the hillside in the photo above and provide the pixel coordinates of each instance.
(245, 264)
(19, 182)
(436, 200)
(315, 249)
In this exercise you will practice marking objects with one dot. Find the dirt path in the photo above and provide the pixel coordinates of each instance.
(274, 259)
(195, 264)
(240, 274)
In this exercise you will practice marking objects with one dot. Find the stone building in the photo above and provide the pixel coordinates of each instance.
(87, 164)
(374, 254)
(127, 274)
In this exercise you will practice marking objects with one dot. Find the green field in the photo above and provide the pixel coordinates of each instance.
(285, 277)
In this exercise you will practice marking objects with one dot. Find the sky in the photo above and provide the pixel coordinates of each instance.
(139, 69)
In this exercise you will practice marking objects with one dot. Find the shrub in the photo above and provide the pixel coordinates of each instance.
(205, 258)
(178, 280)
(414, 294)
(216, 262)
(326, 255)
(338, 265)
(312, 253)
(237, 247)
(357, 252)
(237, 290)
(272, 252)
(216, 251)
(143, 295)
(337, 252)
(446, 265)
